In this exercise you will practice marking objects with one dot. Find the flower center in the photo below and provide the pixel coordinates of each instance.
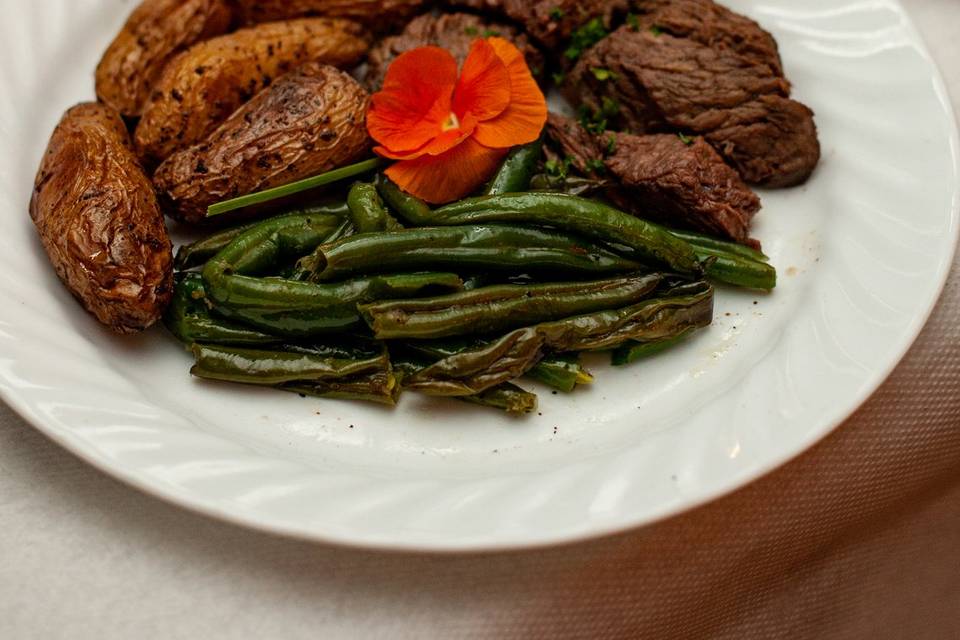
(452, 122)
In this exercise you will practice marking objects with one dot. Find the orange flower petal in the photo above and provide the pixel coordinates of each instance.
(449, 139)
(523, 121)
(484, 87)
(449, 177)
(439, 145)
(415, 101)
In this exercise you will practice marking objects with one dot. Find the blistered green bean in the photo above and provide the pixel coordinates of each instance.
(501, 308)
(516, 171)
(501, 248)
(516, 353)
(271, 368)
(196, 254)
(189, 319)
(570, 213)
(367, 211)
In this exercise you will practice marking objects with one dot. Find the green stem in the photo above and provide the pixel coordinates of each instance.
(293, 188)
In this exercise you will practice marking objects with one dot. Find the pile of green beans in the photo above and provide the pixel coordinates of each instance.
(477, 370)
(380, 293)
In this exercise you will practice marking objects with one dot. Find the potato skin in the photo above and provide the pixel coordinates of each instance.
(204, 85)
(368, 12)
(309, 121)
(155, 32)
(100, 223)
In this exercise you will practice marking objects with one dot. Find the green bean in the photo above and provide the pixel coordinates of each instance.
(271, 368)
(570, 213)
(564, 211)
(511, 356)
(700, 241)
(501, 248)
(300, 309)
(263, 248)
(562, 371)
(737, 270)
(342, 347)
(290, 308)
(409, 207)
(367, 211)
(648, 320)
(501, 308)
(506, 397)
(189, 319)
(515, 173)
(381, 387)
(730, 263)
(635, 351)
(307, 265)
(197, 253)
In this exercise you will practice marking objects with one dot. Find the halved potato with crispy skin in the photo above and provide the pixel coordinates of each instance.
(307, 122)
(204, 85)
(155, 32)
(98, 219)
(369, 12)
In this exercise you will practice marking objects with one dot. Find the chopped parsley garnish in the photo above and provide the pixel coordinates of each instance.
(558, 168)
(596, 121)
(491, 33)
(611, 145)
(471, 31)
(585, 37)
(655, 30)
(559, 78)
(557, 13)
(595, 165)
(685, 139)
(634, 21)
(603, 74)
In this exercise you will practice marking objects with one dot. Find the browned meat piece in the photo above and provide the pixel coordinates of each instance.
(710, 24)
(375, 13)
(687, 186)
(575, 143)
(99, 220)
(551, 22)
(684, 184)
(657, 83)
(772, 141)
(307, 122)
(452, 31)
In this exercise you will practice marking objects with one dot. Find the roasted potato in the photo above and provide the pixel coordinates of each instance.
(155, 32)
(204, 85)
(368, 12)
(98, 219)
(309, 121)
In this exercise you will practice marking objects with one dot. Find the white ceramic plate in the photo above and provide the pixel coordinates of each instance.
(863, 252)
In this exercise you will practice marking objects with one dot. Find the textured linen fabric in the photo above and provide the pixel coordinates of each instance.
(859, 538)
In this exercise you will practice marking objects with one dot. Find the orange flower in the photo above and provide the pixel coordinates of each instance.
(448, 134)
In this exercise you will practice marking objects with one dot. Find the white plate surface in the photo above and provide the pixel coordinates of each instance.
(863, 251)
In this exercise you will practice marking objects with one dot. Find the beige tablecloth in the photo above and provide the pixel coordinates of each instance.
(860, 538)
